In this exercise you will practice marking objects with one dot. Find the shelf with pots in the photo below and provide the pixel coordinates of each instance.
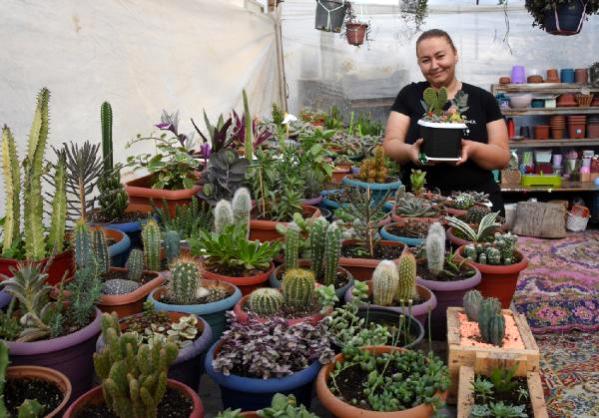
(548, 143)
(567, 186)
(557, 88)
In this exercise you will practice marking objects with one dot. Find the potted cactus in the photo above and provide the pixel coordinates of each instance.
(33, 243)
(468, 230)
(134, 381)
(442, 130)
(461, 202)
(393, 287)
(188, 291)
(281, 406)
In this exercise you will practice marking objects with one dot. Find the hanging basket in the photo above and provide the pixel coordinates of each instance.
(330, 15)
(355, 33)
(565, 19)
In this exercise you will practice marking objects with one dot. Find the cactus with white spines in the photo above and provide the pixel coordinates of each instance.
(406, 268)
(185, 279)
(435, 248)
(242, 206)
(223, 215)
(385, 282)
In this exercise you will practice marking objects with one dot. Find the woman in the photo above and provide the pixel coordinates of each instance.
(485, 145)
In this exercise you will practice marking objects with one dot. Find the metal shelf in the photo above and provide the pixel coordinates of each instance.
(548, 143)
(557, 88)
(541, 111)
(567, 186)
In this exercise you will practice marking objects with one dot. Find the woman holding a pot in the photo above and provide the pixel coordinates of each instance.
(485, 142)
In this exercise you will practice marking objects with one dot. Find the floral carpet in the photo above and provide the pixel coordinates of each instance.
(559, 291)
(570, 374)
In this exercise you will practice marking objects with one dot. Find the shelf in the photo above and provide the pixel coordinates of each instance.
(541, 111)
(548, 143)
(567, 186)
(556, 88)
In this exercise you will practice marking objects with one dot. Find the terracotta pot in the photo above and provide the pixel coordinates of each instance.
(246, 283)
(339, 172)
(49, 375)
(505, 80)
(593, 130)
(95, 397)
(576, 130)
(534, 79)
(542, 132)
(140, 192)
(266, 230)
(130, 303)
(339, 408)
(62, 263)
(355, 33)
(557, 133)
(581, 75)
(552, 75)
(362, 268)
(498, 281)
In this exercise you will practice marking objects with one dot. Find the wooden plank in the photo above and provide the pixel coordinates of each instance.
(485, 363)
(525, 332)
(537, 399)
(465, 395)
(453, 325)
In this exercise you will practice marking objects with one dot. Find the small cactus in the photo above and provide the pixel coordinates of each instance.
(100, 247)
(496, 329)
(150, 236)
(332, 253)
(464, 201)
(242, 206)
(31, 408)
(493, 256)
(223, 216)
(82, 244)
(470, 252)
(435, 248)
(185, 280)
(385, 281)
(407, 278)
(172, 245)
(298, 288)
(435, 99)
(472, 303)
(292, 243)
(476, 213)
(135, 265)
(317, 240)
(266, 301)
(489, 309)
(119, 286)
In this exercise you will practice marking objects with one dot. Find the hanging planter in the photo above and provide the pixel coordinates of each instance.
(356, 33)
(561, 17)
(330, 15)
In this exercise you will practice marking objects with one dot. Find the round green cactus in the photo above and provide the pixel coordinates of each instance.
(298, 288)
(184, 282)
(266, 301)
(385, 281)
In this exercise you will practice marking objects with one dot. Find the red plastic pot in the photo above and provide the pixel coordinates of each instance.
(355, 33)
(362, 268)
(542, 132)
(246, 283)
(266, 230)
(242, 315)
(62, 263)
(593, 130)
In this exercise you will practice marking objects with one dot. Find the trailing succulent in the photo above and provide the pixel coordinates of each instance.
(502, 251)
(488, 314)
(281, 406)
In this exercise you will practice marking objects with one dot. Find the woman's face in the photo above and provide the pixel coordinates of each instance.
(437, 60)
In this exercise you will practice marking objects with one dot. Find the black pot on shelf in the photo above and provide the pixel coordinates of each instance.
(442, 141)
(565, 19)
(330, 15)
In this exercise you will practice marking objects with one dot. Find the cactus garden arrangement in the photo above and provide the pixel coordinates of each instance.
(487, 313)
(502, 251)
(374, 169)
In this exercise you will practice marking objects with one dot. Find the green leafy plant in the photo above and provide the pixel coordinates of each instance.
(486, 227)
(283, 406)
(224, 174)
(188, 219)
(418, 181)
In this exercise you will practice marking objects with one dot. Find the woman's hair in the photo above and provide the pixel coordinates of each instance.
(435, 33)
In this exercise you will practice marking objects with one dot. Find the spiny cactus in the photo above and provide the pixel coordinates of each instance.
(150, 236)
(332, 252)
(496, 329)
(493, 256)
(385, 281)
(12, 189)
(58, 220)
(100, 247)
(407, 278)
(298, 288)
(185, 281)
(106, 122)
(488, 325)
(317, 240)
(133, 375)
(435, 99)
(292, 243)
(135, 265)
(472, 302)
(82, 244)
(266, 301)
(464, 201)
(172, 245)
(373, 169)
(223, 215)
(242, 206)
(3, 367)
(435, 248)
(476, 213)
(506, 243)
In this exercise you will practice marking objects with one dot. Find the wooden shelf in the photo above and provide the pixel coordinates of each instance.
(541, 111)
(548, 143)
(557, 88)
(567, 186)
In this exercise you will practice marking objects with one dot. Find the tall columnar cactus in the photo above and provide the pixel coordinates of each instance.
(223, 215)
(135, 265)
(82, 244)
(185, 280)
(3, 367)
(317, 240)
(58, 219)
(435, 99)
(172, 245)
(407, 278)
(106, 121)
(489, 309)
(133, 375)
(472, 302)
(100, 247)
(435, 248)
(496, 329)
(332, 252)
(249, 129)
(12, 189)
(292, 242)
(150, 236)
(266, 301)
(298, 288)
(33, 211)
(385, 281)
(242, 206)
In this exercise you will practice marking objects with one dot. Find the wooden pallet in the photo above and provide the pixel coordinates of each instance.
(468, 356)
(466, 398)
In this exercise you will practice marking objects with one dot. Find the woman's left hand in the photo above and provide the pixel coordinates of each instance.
(468, 149)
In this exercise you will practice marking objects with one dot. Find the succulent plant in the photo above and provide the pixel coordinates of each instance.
(418, 181)
(224, 174)
(135, 265)
(172, 245)
(184, 285)
(385, 282)
(463, 201)
(298, 288)
(472, 303)
(82, 245)
(409, 205)
(317, 242)
(435, 248)
(266, 301)
(486, 227)
(283, 406)
(374, 169)
(184, 331)
(292, 244)
(435, 99)
(118, 286)
(491, 323)
(150, 236)
(476, 213)
(406, 268)
(242, 207)
(100, 247)
(223, 216)
(332, 253)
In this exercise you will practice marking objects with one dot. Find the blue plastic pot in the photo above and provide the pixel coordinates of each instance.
(120, 250)
(251, 394)
(133, 232)
(412, 242)
(326, 213)
(378, 190)
(213, 313)
(327, 201)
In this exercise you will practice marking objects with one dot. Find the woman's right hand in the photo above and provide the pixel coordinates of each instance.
(415, 152)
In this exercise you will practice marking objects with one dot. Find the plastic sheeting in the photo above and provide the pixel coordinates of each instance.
(322, 69)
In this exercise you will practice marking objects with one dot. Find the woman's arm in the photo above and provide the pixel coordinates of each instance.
(394, 143)
(493, 155)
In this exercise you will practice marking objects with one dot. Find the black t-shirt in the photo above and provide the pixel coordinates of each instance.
(483, 108)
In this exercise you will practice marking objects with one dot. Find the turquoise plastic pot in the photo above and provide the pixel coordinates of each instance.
(412, 242)
(379, 190)
(119, 251)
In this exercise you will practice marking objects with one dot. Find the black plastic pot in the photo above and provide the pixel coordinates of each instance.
(441, 142)
(330, 15)
(569, 18)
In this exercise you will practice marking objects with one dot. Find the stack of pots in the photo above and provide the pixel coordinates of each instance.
(542, 132)
(577, 126)
(593, 126)
(558, 126)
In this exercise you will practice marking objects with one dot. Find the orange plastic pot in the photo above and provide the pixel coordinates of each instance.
(242, 316)
(266, 230)
(246, 283)
(44, 373)
(339, 172)
(362, 268)
(498, 281)
(141, 194)
(339, 408)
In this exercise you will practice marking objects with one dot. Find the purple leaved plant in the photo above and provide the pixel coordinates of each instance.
(271, 349)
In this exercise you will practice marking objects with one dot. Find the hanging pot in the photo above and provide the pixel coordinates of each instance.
(330, 15)
(355, 33)
(565, 19)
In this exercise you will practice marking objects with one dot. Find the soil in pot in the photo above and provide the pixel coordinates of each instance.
(174, 405)
(287, 313)
(411, 229)
(127, 217)
(511, 397)
(381, 252)
(45, 392)
(423, 272)
(215, 294)
(139, 322)
(123, 275)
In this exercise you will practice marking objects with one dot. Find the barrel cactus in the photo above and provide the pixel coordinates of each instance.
(493, 256)
(185, 280)
(435, 248)
(135, 265)
(298, 288)
(472, 301)
(150, 235)
(385, 281)
(266, 301)
(407, 278)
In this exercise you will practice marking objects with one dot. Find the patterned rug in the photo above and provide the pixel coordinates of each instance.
(570, 374)
(559, 291)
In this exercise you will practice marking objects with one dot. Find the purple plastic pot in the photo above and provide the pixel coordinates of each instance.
(314, 201)
(70, 354)
(518, 74)
(447, 294)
